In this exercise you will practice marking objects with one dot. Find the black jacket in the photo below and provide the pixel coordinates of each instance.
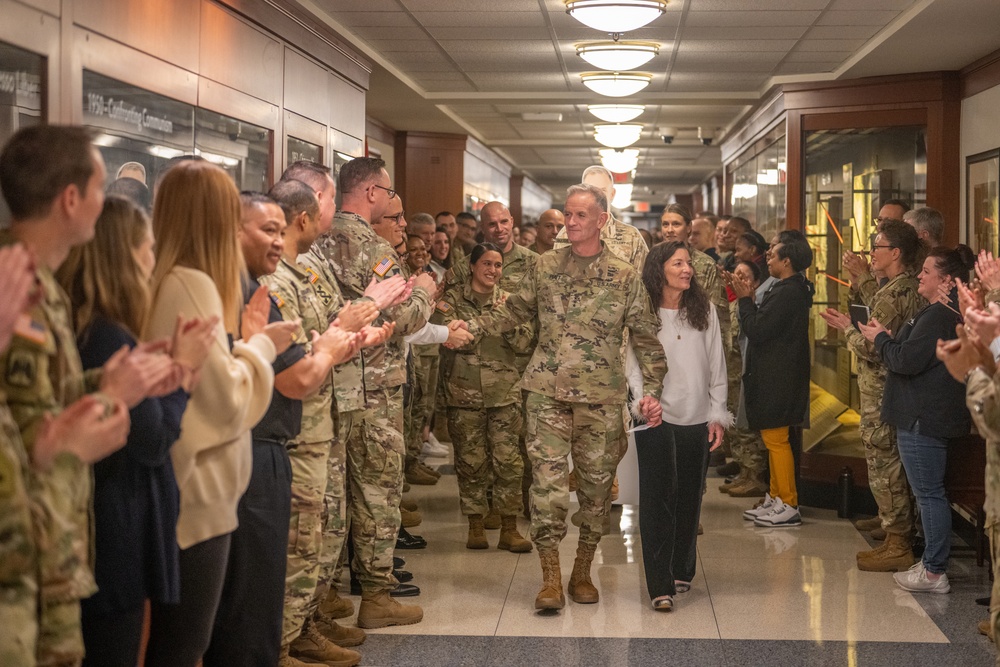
(918, 386)
(777, 364)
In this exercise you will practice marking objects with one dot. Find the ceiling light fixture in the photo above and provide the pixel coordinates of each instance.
(619, 162)
(616, 84)
(617, 56)
(616, 113)
(618, 135)
(623, 196)
(615, 15)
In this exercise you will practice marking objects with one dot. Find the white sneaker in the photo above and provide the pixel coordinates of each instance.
(780, 516)
(433, 447)
(916, 580)
(763, 509)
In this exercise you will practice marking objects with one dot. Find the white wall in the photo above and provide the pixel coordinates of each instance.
(980, 133)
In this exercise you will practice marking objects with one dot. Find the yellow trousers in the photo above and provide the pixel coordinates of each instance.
(779, 455)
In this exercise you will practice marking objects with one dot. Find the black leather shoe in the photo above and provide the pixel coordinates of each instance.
(398, 563)
(402, 576)
(407, 541)
(405, 591)
(728, 470)
(355, 587)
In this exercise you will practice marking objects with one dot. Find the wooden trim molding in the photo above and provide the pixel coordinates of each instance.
(981, 75)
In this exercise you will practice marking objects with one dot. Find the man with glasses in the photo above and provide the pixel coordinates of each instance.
(374, 435)
(465, 236)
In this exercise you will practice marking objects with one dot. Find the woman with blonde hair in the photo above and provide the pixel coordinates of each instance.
(135, 494)
(198, 273)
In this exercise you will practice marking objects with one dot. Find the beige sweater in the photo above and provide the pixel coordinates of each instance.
(212, 459)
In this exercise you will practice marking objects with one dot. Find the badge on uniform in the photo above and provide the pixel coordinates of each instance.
(278, 301)
(384, 266)
(313, 276)
(22, 368)
(30, 329)
(444, 307)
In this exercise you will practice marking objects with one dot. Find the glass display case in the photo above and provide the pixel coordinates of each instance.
(21, 96)
(982, 206)
(758, 178)
(848, 173)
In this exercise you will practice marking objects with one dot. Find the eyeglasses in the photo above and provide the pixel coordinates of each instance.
(398, 218)
(388, 191)
(879, 220)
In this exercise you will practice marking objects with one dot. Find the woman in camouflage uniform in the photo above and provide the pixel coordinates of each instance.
(482, 391)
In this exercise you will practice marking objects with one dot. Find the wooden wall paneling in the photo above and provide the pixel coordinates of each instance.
(516, 210)
(836, 119)
(872, 92)
(379, 131)
(796, 165)
(238, 55)
(306, 88)
(434, 166)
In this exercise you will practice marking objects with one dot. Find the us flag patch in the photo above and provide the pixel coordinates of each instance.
(383, 267)
(30, 329)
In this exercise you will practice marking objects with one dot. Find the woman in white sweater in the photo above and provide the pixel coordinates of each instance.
(198, 272)
(673, 456)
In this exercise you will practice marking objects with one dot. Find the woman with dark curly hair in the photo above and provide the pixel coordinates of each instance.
(674, 455)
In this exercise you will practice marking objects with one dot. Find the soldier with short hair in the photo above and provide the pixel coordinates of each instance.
(585, 299)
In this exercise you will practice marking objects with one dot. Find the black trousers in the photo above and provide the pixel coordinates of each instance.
(179, 633)
(247, 630)
(112, 638)
(672, 463)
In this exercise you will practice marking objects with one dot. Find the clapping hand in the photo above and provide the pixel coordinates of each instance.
(336, 343)
(388, 292)
(85, 429)
(855, 264)
(282, 334)
(964, 353)
(969, 296)
(835, 319)
(130, 376)
(354, 317)
(988, 270)
(740, 286)
(255, 314)
(16, 282)
(372, 336)
(985, 323)
(872, 329)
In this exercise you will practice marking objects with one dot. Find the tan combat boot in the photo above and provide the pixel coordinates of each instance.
(868, 525)
(477, 536)
(510, 539)
(551, 595)
(285, 660)
(985, 628)
(741, 478)
(429, 470)
(415, 474)
(379, 610)
(340, 635)
(894, 555)
(752, 487)
(581, 588)
(312, 645)
(408, 505)
(492, 520)
(409, 519)
(334, 606)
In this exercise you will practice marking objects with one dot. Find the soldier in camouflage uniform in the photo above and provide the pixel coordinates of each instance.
(894, 252)
(482, 390)
(585, 299)
(301, 294)
(375, 446)
(42, 374)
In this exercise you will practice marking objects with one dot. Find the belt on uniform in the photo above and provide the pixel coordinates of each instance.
(280, 442)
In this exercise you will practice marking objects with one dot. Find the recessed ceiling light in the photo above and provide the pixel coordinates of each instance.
(618, 135)
(623, 196)
(619, 162)
(616, 84)
(616, 113)
(617, 56)
(615, 15)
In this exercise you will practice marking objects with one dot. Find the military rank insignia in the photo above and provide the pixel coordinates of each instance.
(384, 266)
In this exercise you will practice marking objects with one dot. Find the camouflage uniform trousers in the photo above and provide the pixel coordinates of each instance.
(886, 476)
(309, 461)
(60, 637)
(423, 397)
(487, 456)
(993, 532)
(336, 519)
(593, 434)
(375, 454)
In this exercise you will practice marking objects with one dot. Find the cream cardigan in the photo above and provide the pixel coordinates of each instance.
(212, 458)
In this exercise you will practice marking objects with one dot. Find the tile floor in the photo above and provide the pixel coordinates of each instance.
(761, 597)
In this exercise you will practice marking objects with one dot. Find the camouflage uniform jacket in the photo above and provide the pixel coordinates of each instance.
(18, 585)
(516, 265)
(893, 304)
(864, 288)
(348, 377)
(707, 273)
(624, 240)
(982, 396)
(296, 290)
(42, 374)
(584, 309)
(356, 255)
(483, 374)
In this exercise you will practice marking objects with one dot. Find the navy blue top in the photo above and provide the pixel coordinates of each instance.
(136, 501)
(283, 420)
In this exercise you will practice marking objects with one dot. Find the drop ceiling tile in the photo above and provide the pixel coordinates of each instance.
(378, 19)
(337, 6)
(438, 76)
(729, 5)
(898, 5)
(747, 32)
(388, 32)
(475, 33)
(523, 61)
(454, 44)
(748, 18)
(804, 68)
(404, 58)
(508, 81)
(877, 17)
(827, 57)
(737, 45)
(390, 45)
(840, 32)
(723, 59)
(850, 45)
(475, 19)
(450, 87)
(414, 67)
(733, 65)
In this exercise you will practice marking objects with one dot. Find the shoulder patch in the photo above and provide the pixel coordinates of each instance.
(444, 307)
(313, 276)
(22, 368)
(278, 301)
(383, 266)
(30, 329)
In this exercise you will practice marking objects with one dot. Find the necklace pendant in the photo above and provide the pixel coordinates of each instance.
(678, 336)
